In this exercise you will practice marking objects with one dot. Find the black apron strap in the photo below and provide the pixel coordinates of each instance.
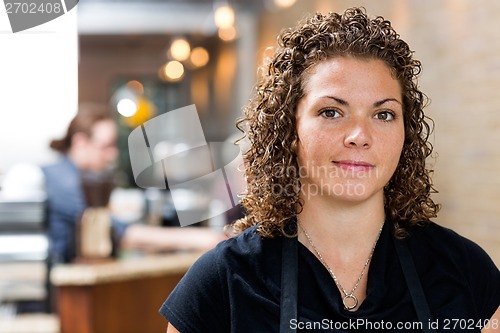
(289, 276)
(413, 282)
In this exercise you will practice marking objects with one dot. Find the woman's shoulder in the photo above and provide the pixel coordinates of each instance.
(437, 242)
(249, 244)
(445, 237)
(248, 240)
(248, 253)
(203, 300)
(446, 258)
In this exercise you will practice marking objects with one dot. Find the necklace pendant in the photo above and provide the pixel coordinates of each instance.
(350, 302)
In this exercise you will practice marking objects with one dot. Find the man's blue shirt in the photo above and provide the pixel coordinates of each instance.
(66, 203)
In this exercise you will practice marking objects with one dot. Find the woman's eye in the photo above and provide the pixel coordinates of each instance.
(385, 116)
(330, 113)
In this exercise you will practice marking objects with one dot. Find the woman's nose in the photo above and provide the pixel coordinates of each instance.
(358, 134)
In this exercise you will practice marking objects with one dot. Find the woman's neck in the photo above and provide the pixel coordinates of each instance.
(343, 226)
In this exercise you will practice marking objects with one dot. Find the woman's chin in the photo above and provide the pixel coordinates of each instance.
(353, 192)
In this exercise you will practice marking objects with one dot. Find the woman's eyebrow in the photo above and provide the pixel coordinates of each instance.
(338, 100)
(376, 104)
(379, 103)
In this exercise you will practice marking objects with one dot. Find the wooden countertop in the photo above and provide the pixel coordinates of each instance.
(121, 270)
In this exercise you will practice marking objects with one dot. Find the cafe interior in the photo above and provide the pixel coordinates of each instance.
(151, 60)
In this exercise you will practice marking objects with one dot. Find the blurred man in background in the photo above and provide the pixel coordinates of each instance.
(88, 150)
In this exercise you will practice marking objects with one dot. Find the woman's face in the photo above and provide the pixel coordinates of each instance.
(350, 128)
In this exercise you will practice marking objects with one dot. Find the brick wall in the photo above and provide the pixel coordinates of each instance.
(458, 44)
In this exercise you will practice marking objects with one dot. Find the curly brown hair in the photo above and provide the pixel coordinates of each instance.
(269, 120)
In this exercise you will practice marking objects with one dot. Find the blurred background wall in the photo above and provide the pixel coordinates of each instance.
(38, 87)
(457, 42)
(121, 43)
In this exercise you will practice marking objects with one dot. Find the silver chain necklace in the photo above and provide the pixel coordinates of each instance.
(349, 300)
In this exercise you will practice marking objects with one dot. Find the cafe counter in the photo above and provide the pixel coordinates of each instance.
(120, 296)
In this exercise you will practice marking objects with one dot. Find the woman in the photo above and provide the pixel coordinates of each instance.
(338, 234)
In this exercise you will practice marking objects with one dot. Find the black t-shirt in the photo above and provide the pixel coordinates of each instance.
(236, 288)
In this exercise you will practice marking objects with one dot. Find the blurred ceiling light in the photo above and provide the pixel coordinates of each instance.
(227, 34)
(172, 71)
(126, 107)
(224, 16)
(199, 56)
(145, 110)
(136, 87)
(180, 49)
(284, 3)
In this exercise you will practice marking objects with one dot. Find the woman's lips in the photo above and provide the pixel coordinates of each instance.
(354, 165)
